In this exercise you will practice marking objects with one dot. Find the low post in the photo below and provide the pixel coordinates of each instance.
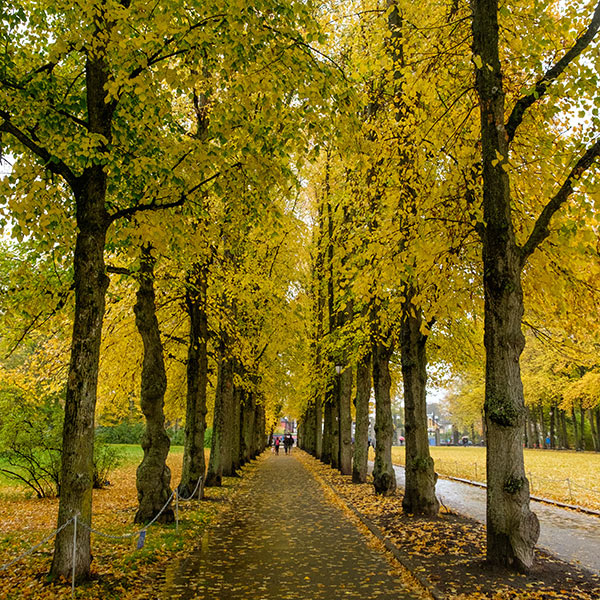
(74, 556)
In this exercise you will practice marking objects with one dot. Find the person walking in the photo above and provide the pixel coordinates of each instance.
(277, 442)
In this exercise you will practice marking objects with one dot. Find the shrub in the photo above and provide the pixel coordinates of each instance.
(127, 432)
(106, 459)
(31, 444)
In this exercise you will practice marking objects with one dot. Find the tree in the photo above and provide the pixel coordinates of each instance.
(153, 476)
(512, 529)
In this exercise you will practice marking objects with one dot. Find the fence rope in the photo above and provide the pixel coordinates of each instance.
(200, 479)
(78, 522)
(34, 548)
(135, 533)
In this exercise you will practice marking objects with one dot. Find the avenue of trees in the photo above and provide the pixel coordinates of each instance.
(218, 212)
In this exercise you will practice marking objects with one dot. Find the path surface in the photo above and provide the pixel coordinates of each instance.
(569, 535)
(281, 539)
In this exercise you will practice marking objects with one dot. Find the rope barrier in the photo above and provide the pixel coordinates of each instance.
(135, 533)
(34, 548)
(141, 533)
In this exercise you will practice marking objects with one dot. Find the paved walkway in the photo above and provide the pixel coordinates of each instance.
(569, 535)
(281, 539)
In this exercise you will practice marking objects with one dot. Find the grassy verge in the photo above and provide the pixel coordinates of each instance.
(562, 475)
(120, 571)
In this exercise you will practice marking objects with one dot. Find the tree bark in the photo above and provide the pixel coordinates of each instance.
(512, 529)
(563, 430)
(153, 476)
(361, 433)
(346, 421)
(219, 462)
(577, 443)
(326, 450)
(77, 469)
(335, 422)
(536, 429)
(419, 494)
(582, 429)
(594, 432)
(236, 429)
(259, 428)
(318, 424)
(384, 478)
(553, 410)
(194, 463)
(248, 424)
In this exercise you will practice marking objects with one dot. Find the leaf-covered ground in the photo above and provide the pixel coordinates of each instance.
(448, 552)
(562, 475)
(119, 570)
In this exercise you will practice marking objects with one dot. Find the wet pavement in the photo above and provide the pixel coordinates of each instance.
(281, 539)
(567, 534)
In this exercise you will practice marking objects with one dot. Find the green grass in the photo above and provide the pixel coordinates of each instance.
(133, 453)
(129, 454)
(563, 475)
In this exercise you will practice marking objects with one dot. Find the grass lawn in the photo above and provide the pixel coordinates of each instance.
(563, 475)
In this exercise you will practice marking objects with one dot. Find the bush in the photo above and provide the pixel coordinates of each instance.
(124, 433)
(106, 459)
(30, 442)
(31, 445)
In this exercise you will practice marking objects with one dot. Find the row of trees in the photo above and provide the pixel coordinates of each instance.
(178, 153)
(468, 142)
(151, 152)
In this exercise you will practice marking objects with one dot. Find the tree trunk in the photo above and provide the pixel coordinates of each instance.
(361, 433)
(384, 478)
(512, 529)
(529, 434)
(90, 282)
(536, 430)
(153, 476)
(326, 450)
(345, 382)
(308, 423)
(577, 443)
(318, 425)
(248, 424)
(543, 427)
(335, 423)
(219, 462)
(553, 410)
(419, 494)
(259, 427)
(582, 429)
(593, 428)
(598, 429)
(194, 464)
(236, 429)
(77, 470)
(564, 443)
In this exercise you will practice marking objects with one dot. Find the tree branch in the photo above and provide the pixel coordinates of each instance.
(133, 210)
(540, 230)
(52, 163)
(118, 270)
(551, 75)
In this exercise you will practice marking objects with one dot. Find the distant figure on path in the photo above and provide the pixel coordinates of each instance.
(288, 442)
(277, 442)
